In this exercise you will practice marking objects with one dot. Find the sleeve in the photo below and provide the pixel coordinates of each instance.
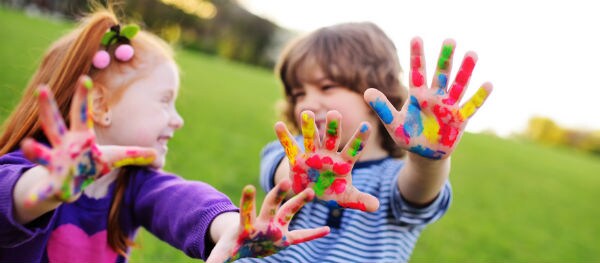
(13, 234)
(270, 157)
(410, 215)
(178, 211)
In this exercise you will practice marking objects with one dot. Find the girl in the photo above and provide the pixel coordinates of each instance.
(83, 201)
(324, 75)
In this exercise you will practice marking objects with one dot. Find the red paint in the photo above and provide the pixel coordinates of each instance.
(330, 144)
(341, 168)
(402, 135)
(455, 91)
(354, 205)
(415, 62)
(424, 104)
(468, 64)
(314, 162)
(319, 234)
(417, 78)
(298, 169)
(327, 160)
(415, 47)
(338, 186)
(299, 183)
(448, 133)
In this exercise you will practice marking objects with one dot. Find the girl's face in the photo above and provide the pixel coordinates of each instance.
(145, 115)
(321, 95)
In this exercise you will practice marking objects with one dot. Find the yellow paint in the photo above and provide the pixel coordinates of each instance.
(473, 104)
(291, 150)
(308, 131)
(431, 129)
(134, 161)
(90, 122)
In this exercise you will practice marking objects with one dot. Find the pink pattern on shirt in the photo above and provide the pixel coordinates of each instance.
(69, 243)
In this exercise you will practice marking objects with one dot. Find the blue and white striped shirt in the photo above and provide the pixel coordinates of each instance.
(387, 235)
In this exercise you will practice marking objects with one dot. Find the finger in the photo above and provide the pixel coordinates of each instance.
(356, 144)
(119, 156)
(287, 141)
(309, 132)
(417, 64)
(36, 152)
(81, 105)
(334, 129)
(444, 66)
(274, 199)
(462, 79)
(50, 117)
(292, 206)
(305, 235)
(361, 201)
(247, 207)
(471, 106)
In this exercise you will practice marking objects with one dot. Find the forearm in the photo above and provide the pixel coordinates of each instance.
(228, 221)
(29, 180)
(421, 179)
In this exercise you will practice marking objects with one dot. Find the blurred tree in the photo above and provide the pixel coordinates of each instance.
(544, 130)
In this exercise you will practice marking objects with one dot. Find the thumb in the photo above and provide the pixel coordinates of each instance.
(119, 156)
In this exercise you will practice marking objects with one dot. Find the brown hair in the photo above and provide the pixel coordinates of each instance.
(356, 55)
(64, 62)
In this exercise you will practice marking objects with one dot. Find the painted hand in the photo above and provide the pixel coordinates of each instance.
(431, 122)
(74, 161)
(268, 233)
(324, 169)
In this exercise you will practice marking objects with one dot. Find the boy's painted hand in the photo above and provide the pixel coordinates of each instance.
(431, 122)
(268, 233)
(74, 161)
(324, 169)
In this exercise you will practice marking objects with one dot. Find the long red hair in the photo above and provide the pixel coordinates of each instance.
(63, 63)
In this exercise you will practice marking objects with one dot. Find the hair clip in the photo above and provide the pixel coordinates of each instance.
(124, 52)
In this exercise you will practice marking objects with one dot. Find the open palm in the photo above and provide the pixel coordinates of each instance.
(324, 169)
(431, 122)
(268, 233)
(74, 161)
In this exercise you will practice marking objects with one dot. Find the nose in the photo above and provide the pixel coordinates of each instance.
(312, 101)
(176, 120)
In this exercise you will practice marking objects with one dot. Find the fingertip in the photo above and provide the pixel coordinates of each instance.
(86, 82)
(487, 86)
(371, 94)
(310, 194)
(333, 114)
(285, 185)
(449, 41)
(472, 55)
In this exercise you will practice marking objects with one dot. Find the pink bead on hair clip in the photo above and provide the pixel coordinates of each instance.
(124, 52)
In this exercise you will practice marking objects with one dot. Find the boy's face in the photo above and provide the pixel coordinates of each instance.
(320, 95)
(146, 115)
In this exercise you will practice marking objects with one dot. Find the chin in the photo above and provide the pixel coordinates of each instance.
(159, 162)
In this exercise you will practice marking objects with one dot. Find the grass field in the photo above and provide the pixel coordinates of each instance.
(513, 201)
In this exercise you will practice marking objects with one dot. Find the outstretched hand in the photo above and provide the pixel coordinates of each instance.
(268, 233)
(431, 122)
(324, 169)
(74, 160)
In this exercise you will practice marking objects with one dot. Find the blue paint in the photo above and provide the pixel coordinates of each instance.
(382, 111)
(427, 152)
(443, 80)
(364, 128)
(413, 125)
(313, 174)
(83, 112)
(330, 203)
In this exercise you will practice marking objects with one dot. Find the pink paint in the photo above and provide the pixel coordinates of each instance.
(341, 168)
(314, 162)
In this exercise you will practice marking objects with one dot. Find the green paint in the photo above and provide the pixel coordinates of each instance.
(445, 56)
(355, 148)
(332, 128)
(88, 83)
(323, 182)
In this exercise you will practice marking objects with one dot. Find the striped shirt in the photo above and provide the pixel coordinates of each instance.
(387, 235)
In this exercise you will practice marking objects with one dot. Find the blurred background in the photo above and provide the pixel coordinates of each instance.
(526, 177)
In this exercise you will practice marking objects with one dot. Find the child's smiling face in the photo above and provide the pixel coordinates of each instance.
(319, 94)
(145, 115)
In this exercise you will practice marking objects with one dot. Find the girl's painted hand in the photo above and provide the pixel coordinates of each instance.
(74, 160)
(324, 169)
(268, 233)
(431, 122)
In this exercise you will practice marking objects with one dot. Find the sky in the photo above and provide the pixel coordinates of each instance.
(541, 56)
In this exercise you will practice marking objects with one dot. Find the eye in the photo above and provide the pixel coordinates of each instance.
(328, 87)
(296, 94)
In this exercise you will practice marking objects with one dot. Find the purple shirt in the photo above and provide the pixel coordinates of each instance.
(175, 210)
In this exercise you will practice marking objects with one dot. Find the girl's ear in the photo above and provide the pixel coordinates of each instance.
(100, 112)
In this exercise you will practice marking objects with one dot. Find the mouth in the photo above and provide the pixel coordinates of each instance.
(163, 140)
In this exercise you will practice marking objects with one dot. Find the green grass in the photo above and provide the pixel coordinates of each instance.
(513, 201)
